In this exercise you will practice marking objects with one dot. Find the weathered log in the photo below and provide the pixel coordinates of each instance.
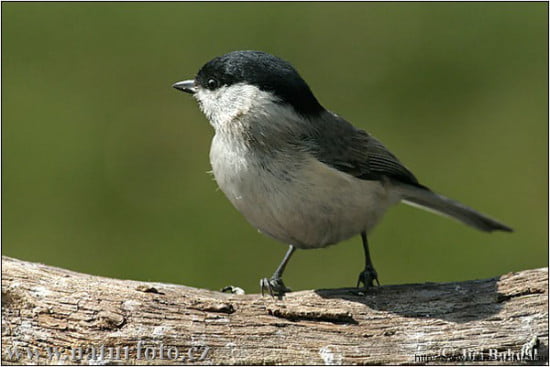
(51, 315)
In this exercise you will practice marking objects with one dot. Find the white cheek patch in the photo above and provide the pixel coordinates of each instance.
(229, 102)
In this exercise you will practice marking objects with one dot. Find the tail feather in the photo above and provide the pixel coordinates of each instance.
(429, 200)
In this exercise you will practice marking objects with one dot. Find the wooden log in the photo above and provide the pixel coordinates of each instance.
(51, 315)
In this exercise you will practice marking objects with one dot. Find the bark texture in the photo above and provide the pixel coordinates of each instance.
(51, 315)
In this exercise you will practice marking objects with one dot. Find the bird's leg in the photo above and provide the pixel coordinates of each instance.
(275, 285)
(367, 276)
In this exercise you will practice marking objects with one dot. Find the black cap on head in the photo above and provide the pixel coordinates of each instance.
(265, 71)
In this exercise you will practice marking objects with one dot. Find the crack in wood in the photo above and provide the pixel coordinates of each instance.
(227, 308)
(313, 314)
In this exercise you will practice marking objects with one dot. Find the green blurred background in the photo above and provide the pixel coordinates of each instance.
(104, 165)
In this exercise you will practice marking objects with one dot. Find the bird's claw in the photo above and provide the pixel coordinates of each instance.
(274, 286)
(368, 277)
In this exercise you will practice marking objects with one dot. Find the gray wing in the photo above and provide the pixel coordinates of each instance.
(340, 145)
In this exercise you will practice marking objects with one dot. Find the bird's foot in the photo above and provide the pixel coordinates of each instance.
(274, 286)
(368, 277)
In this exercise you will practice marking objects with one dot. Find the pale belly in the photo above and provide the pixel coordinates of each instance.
(302, 202)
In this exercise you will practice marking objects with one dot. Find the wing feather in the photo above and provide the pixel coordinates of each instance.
(340, 145)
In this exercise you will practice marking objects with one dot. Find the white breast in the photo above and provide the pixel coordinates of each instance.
(296, 199)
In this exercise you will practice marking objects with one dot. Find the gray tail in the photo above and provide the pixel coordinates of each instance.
(429, 200)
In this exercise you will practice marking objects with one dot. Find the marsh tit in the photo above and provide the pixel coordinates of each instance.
(298, 172)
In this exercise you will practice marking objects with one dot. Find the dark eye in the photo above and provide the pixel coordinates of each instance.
(212, 83)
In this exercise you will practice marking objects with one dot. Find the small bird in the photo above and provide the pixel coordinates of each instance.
(298, 172)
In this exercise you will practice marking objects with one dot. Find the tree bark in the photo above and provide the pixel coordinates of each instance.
(51, 315)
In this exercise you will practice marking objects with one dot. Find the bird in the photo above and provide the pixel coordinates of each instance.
(300, 173)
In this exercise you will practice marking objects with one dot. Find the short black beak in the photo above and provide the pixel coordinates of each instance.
(187, 86)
